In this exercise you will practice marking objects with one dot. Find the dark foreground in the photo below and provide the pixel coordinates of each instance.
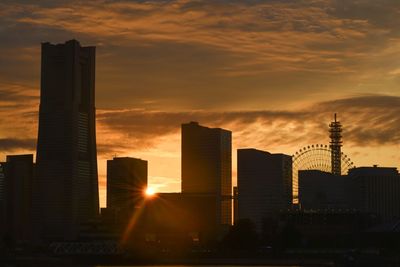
(290, 258)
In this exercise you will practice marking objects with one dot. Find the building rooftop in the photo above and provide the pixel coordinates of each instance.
(374, 170)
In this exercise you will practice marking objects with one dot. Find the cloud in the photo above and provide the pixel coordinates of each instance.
(13, 144)
(18, 116)
(286, 33)
(371, 120)
(164, 184)
(207, 54)
(16, 93)
(264, 32)
(395, 72)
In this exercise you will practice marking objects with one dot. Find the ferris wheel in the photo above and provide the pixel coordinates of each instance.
(315, 157)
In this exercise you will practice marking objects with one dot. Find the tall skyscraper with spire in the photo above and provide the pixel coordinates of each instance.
(66, 186)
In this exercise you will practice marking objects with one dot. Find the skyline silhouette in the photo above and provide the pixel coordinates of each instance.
(274, 88)
(169, 131)
(50, 206)
(67, 150)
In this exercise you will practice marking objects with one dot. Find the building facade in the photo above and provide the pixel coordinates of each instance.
(18, 173)
(2, 199)
(264, 184)
(126, 184)
(324, 190)
(207, 165)
(66, 188)
(376, 190)
(171, 217)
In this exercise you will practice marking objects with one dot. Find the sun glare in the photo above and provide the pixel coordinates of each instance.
(150, 192)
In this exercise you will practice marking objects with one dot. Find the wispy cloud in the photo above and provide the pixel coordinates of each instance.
(18, 117)
(369, 120)
(13, 144)
(207, 54)
(292, 35)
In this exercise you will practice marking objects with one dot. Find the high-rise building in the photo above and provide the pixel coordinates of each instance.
(126, 183)
(376, 190)
(2, 199)
(207, 165)
(66, 188)
(17, 198)
(264, 184)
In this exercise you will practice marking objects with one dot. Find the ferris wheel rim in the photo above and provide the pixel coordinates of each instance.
(315, 157)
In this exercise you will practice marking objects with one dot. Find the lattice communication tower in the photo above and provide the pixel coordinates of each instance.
(322, 157)
(335, 130)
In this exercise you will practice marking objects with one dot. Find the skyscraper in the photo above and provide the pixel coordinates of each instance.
(264, 184)
(207, 165)
(126, 182)
(66, 188)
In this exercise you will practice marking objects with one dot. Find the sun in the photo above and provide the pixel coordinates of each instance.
(150, 192)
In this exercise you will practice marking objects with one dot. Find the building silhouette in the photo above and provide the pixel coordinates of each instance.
(324, 190)
(2, 199)
(66, 187)
(368, 190)
(16, 197)
(207, 166)
(185, 218)
(376, 190)
(126, 184)
(264, 184)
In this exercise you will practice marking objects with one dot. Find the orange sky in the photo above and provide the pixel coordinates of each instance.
(272, 71)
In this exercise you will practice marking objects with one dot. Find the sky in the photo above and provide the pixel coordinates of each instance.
(273, 72)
